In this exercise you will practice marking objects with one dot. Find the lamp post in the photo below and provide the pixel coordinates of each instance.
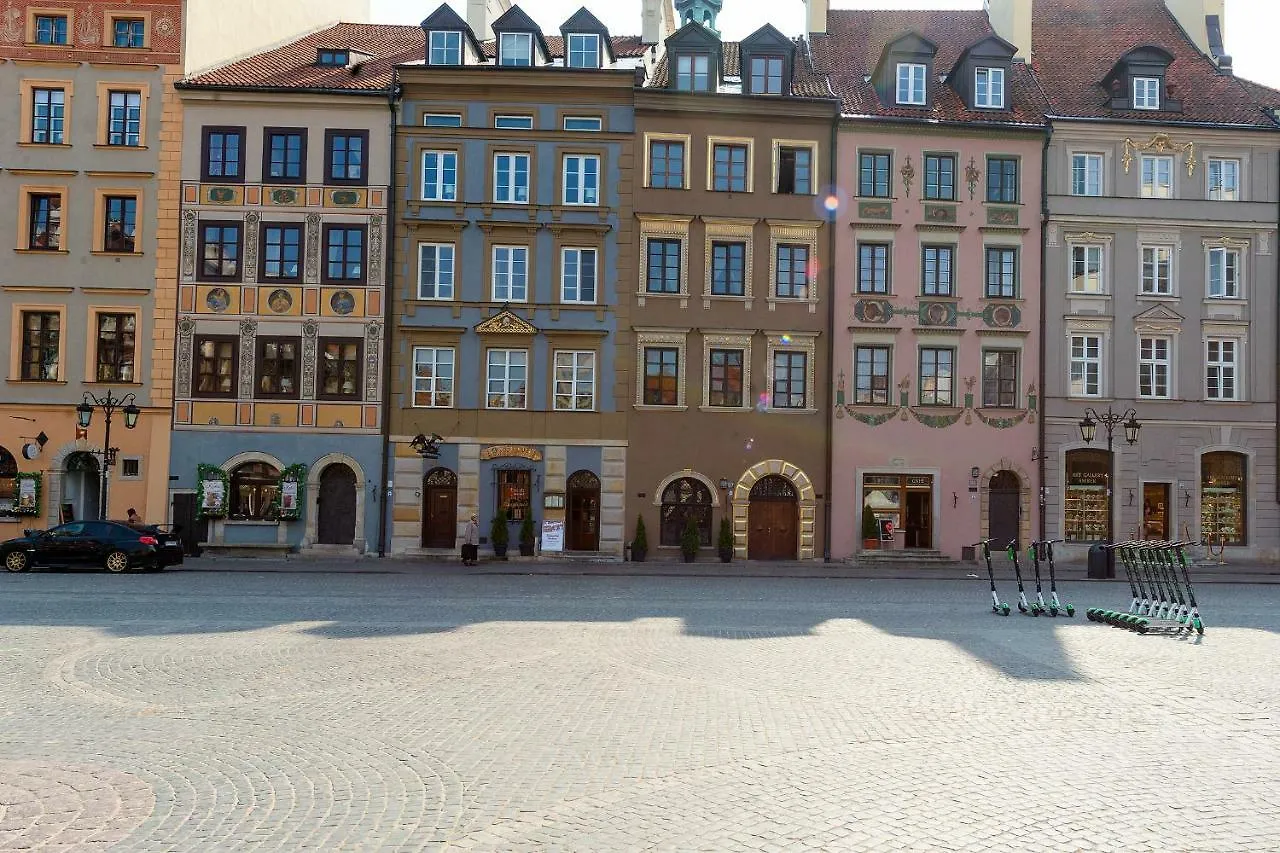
(1088, 431)
(84, 416)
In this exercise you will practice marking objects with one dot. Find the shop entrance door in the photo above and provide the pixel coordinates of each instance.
(1155, 511)
(773, 520)
(336, 506)
(584, 512)
(439, 509)
(1004, 495)
(919, 529)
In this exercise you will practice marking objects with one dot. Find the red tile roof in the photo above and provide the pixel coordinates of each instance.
(624, 47)
(855, 40)
(1076, 43)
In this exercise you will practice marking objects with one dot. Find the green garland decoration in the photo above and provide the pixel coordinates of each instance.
(34, 508)
(211, 472)
(297, 474)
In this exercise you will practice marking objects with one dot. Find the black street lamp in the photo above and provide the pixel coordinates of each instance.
(84, 416)
(1088, 431)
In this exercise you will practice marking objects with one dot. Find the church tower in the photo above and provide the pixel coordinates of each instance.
(699, 12)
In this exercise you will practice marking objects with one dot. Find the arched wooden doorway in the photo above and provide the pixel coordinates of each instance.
(583, 499)
(1004, 495)
(81, 488)
(773, 520)
(439, 509)
(336, 506)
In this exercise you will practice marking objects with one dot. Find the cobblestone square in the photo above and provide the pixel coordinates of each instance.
(401, 711)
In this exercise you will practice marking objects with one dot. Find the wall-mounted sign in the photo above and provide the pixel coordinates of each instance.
(26, 494)
(511, 451)
(289, 495)
(553, 500)
(213, 495)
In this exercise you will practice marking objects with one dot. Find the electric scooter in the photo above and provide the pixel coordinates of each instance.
(997, 606)
(1055, 605)
(1193, 617)
(1024, 606)
(1033, 553)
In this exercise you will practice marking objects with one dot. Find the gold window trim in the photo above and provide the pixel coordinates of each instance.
(661, 337)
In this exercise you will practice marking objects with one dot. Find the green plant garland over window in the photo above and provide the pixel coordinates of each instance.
(210, 506)
(289, 506)
(29, 507)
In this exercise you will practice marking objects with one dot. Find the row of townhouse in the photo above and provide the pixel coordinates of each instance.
(420, 273)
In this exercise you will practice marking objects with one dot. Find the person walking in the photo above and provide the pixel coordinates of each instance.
(471, 542)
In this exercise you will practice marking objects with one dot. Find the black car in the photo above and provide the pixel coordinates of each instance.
(169, 551)
(115, 546)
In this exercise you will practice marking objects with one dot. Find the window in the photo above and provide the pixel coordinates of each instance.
(795, 171)
(666, 164)
(277, 367)
(1002, 273)
(223, 154)
(116, 338)
(766, 75)
(131, 468)
(789, 378)
(1223, 497)
(507, 378)
(1086, 366)
(940, 177)
(514, 490)
(1157, 270)
(1224, 274)
(911, 83)
(581, 179)
(124, 119)
(1000, 379)
(51, 29)
(220, 251)
(792, 278)
(1086, 269)
(937, 376)
(661, 376)
(285, 153)
(338, 58)
(1224, 179)
(445, 48)
(1146, 93)
(442, 120)
(510, 273)
(1157, 177)
(664, 266)
(693, 73)
(515, 49)
(48, 116)
(120, 223)
(255, 490)
(937, 270)
(1221, 368)
(1154, 366)
(344, 253)
(129, 32)
(513, 122)
(584, 50)
(439, 175)
(45, 226)
(589, 124)
(339, 368)
(511, 178)
(214, 370)
(575, 389)
(871, 375)
(8, 482)
(1002, 180)
(685, 500)
(345, 152)
(435, 270)
(578, 275)
(873, 175)
(41, 339)
(724, 377)
(1087, 495)
(729, 168)
(281, 252)
(1086, 174)
(728, 266)
(988, 88)
(432, 377)
(873, 268)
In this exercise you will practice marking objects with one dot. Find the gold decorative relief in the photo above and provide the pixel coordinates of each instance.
(506, 323)
(1161, 143)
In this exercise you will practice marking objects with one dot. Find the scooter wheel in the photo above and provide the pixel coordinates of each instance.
(1199, 626)
(1004, 610)
(1071, 610)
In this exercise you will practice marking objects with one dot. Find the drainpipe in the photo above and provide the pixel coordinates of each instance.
(1044, 321)
(384, 487)
(831, 343)
(1276, 335)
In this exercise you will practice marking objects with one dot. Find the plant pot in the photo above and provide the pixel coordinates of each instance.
(526, 550)
(870, 544)
(638, 554)
(689, 557)
(500, 551)
(726, 555)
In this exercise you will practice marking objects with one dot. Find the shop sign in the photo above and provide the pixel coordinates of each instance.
(923, 481)
(511, 451)
(27, 494)
(213, 495)
(552, 536)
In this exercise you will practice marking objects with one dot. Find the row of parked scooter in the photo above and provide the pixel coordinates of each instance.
(1038, 551)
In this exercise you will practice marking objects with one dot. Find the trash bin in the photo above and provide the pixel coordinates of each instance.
(1100, 565)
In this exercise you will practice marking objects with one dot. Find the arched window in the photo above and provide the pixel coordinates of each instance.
(1223, 486)
(8, 482)
(254, 489)
(684, 499)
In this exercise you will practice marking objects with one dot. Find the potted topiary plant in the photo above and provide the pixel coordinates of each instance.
(690, 540)
(498, 536)
(724, 546)
(639, 545)
(526, 537)
(870, 530)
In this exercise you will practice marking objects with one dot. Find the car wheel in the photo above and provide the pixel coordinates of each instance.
(17, 561)
(117, 561)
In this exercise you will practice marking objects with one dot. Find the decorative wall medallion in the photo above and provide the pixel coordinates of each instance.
(1002, 216)
(218, 300)
(342, 302)
(873, 310)
(1002, 316)
(189, 224)
(312, 272)
(875, 210)
(938, 314)
(345, 198)
(943, 213)
(280, 301)
(284, 195)
(221, 195)
(163, 26)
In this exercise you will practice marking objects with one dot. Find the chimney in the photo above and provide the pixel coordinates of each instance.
(1205, 23)
(1011, 19)
(815, 15)
(482, 13)
(651, 21)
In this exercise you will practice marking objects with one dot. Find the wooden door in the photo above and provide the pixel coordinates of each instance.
(773, 520)
(919, 526)
(192, 529)
(336, 506)
(583, 499)
(1155, 511)
(440, 509)
(1005, 511)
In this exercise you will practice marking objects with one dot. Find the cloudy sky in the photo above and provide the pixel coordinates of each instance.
(1251, 24)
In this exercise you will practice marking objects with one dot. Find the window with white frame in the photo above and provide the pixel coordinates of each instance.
(937, 376)
(581, 179)
(442, 120)
(433, 377)
(511, 178)
(911, 83)
(1157, 177)
(1224, 273)
(791, 278)
(871, 375)
(506, 378)
(1086, 270)
(1221, 365)
(1157, 270)
(1000, 378)
(1086, 174)
(937, 265)
(440, 175)
(1224, 179)
(1002, 273)
(589, 124)
(1146, 93)
(584, 50)
(435, 270)
(510, 273)
(513, 122)
(515, 49)
(1154, 367)
(578, 275)
(873, 268)
(446, 48)
(1086, 366)
(575, 380)
(988, 88)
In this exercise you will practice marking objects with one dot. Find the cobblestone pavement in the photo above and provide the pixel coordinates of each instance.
(229, 711)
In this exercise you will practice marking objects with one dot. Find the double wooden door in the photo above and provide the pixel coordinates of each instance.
(773, 520)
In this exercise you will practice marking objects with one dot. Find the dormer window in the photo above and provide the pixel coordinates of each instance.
(693, 73)
(445, 48)
(336, 58)
(1146, 93)
(766, 75)
(911, 83)
(988, 88)
(583, 50)
(515, 49)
